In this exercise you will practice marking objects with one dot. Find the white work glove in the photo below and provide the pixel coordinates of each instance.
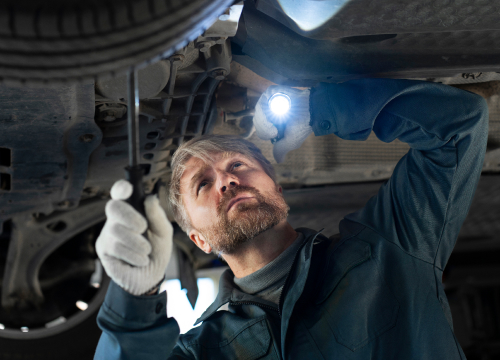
(135, 263)
(297, 120)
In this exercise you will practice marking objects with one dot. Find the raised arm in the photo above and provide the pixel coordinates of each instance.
(423, 205)
(135, 324)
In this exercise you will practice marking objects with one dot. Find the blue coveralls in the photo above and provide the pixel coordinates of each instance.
(376, 292)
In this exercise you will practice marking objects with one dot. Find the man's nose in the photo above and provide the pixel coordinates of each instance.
(227, 181)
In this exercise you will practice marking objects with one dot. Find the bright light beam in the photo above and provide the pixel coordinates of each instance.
(280, 104)
(311, 14)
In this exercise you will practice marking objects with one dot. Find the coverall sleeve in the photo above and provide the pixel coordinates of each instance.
(135, 327)
(423, 205)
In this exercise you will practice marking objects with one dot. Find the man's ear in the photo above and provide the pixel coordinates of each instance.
(200, 241)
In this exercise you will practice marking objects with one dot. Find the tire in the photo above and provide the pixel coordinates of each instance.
(55, 41)
(77, 343)
(61, 327)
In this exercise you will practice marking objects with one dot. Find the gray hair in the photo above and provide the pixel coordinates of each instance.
(203, 148)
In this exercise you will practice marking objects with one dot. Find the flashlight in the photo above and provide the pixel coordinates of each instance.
(280, 105)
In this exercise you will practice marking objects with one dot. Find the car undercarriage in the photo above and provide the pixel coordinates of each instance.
(63, 143)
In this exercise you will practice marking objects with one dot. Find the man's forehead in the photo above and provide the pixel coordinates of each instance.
(196, 165)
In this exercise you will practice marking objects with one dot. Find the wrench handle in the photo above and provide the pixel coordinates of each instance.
(134, 175)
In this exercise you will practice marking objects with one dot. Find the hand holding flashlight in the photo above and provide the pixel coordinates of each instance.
(279, 106)
(282, 116)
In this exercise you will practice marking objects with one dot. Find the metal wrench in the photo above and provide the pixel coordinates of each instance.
(134, 171)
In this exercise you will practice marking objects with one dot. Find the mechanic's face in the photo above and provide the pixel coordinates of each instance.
(230, 201)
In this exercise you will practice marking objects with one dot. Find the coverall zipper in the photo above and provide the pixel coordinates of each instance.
(291, 267)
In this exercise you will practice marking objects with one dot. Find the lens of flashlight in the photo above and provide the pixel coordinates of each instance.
(280, 103)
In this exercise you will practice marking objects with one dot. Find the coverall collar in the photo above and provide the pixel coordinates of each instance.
(229, 292)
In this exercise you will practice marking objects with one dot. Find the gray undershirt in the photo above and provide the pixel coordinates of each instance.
(268, 281)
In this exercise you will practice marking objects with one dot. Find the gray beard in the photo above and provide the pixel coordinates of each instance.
(249, 220)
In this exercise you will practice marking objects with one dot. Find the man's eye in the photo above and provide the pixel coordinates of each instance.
(237, 164)
(202, 184)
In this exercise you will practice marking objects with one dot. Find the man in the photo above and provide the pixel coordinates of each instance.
(372, 292)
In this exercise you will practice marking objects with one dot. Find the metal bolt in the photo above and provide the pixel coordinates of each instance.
(219, 74)
(65, 204)
(86, 138)
(108, 116)
(89, 191)
(177, 58)
(325, 125)
(226, 16)
(204, 46)
(472, 76)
